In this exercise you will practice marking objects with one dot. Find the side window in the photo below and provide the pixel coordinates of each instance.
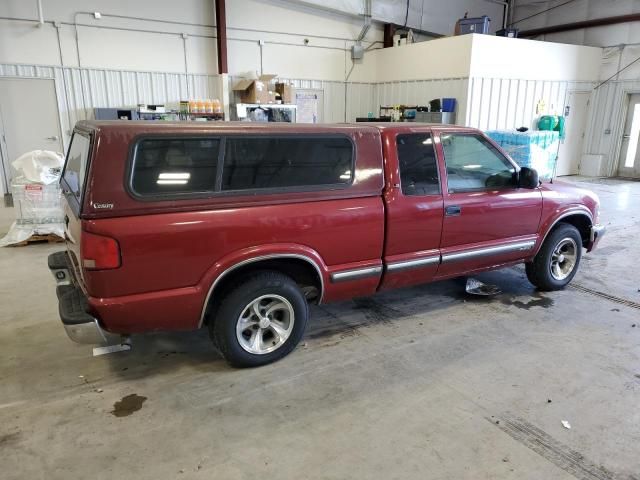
(285, 162)
(76, 164)
(418, 165)
(475, 164)
(175, 166)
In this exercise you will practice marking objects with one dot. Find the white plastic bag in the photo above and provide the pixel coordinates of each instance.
(40, 166)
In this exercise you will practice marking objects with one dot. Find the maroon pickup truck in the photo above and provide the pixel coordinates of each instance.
(239, 226)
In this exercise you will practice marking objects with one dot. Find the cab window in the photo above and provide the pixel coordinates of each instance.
(418, 165)
(474, 164)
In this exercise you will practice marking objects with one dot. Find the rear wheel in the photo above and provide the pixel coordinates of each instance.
(557, 262)
(261, 320)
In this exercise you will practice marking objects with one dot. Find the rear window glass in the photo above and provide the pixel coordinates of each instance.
(285, 162)
(175, 166)
(76, 164)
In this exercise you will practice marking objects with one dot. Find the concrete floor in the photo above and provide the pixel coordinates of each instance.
(419, 383)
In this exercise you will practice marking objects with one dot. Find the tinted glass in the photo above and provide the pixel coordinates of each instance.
(172, 166)
(475, 164)
(418, 166)
(76, 164)
(281, 162)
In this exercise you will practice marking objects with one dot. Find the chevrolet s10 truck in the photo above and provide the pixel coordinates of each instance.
(238, 227)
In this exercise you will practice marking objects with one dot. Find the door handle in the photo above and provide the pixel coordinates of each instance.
(626, 136)
(53, 137)
(453, 210)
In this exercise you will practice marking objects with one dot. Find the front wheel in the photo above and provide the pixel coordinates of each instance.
(557, 262)
(261, 320)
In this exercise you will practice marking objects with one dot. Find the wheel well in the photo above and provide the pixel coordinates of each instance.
(301, 271)
(582, 223)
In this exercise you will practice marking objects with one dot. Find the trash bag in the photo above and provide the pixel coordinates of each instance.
(39, 166)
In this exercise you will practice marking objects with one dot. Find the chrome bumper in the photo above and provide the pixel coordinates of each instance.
(81, 327)
(90, 332)
(596, 233)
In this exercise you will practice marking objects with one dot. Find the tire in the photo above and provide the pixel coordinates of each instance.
(558, 260)
(260, 320)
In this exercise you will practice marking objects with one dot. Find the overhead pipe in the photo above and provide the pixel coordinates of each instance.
(367, 21)
(505, 12)
(40, 14)
(598, 22)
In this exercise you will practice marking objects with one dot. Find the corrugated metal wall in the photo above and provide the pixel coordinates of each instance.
(607, 121)
(79, 91)
(498, 103)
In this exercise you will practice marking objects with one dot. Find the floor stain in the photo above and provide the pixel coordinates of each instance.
(9, 439)
(537, 301)
(128, 405)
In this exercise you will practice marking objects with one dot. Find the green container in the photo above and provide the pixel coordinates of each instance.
(552, 123)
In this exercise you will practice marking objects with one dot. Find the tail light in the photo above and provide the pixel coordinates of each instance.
(99, 252)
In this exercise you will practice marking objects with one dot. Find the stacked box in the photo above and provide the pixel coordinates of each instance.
(37, 204)
(534, 149)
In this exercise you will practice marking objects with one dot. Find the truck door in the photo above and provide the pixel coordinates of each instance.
(488, 220)
(413, 208)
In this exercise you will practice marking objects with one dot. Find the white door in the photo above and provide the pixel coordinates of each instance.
(29, 118)
(575, 123)
(629, 163)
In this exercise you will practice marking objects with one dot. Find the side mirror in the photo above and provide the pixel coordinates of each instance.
(528, 178)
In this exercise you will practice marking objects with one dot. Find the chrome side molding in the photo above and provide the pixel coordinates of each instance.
(410, 264)
(487, 251)
(355, 274)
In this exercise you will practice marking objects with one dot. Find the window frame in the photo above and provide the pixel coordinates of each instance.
(131, 164)
(482, 139)
(76, 202)
(300, 188)
(217, 187)
(435, 156)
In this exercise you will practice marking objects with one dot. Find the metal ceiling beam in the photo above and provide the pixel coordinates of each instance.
(221, 35)
(599, 22)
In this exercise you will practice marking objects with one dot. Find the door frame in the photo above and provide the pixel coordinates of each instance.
(568, 93)
(4, 159)
(4, 152)
(618, 131)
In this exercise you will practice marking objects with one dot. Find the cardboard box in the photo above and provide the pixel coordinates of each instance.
(286, 92)
(261, 90)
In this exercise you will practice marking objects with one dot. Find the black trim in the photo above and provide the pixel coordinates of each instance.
(74, 202)
(435, 155)
(217, 192)
(130, 166)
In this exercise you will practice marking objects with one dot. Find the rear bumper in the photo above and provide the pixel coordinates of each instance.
(597, 232)
(81, 327)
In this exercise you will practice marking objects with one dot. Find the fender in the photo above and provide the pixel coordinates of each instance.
(230, 262)
(551, 221)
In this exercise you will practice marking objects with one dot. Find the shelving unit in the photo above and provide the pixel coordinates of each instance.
(243, 110)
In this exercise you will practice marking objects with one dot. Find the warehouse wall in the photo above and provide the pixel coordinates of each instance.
(622, 41)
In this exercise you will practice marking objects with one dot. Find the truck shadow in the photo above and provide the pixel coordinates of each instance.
(330, 324)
